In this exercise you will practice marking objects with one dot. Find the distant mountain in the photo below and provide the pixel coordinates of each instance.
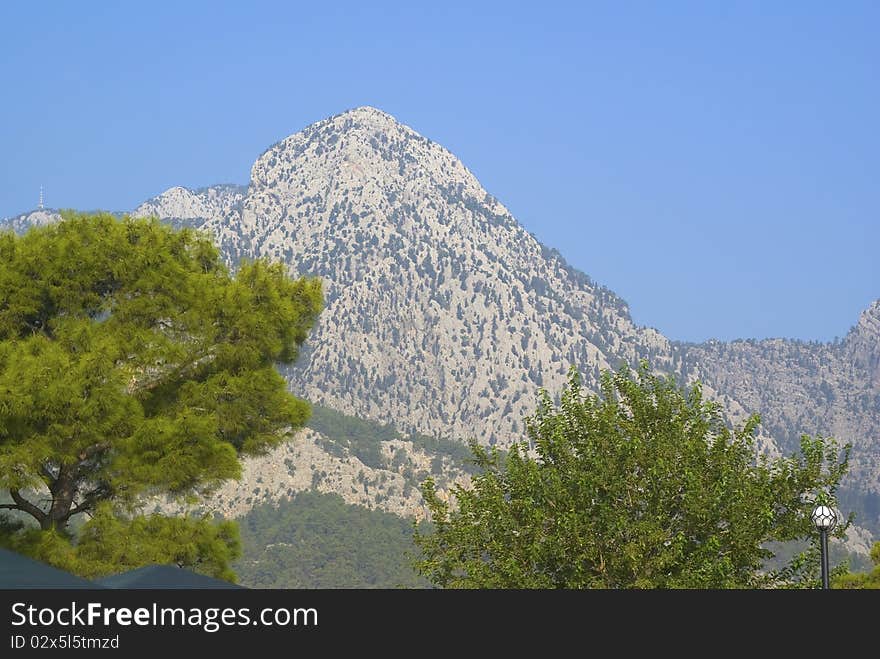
(444, 315)
(831, 389)
(194, 206)
(215, 209)
(36, 218)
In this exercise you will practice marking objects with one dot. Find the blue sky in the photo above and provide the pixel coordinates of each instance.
(717, 164)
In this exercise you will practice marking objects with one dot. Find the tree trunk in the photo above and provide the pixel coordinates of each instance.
(65, 486)
(63, 490)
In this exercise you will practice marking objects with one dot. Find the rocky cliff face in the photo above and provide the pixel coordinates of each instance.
(444, 315)
(799, 388)
(311, 461)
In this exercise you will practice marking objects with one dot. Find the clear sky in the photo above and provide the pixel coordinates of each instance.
(717, 164)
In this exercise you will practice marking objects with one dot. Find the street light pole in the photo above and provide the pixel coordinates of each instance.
(823, 538)
(824, 519)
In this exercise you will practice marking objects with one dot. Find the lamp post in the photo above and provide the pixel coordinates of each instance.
(824, 519)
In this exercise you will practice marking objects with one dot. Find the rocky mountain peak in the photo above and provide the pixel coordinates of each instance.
(181, 203)
(369, 118)
(439, 304)
(360, 148)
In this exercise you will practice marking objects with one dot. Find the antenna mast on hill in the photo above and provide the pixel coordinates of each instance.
(41, 198)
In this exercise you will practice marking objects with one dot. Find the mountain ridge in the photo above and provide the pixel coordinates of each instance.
(444, 315)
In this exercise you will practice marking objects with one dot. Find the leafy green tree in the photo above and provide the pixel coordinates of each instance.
(641, 486)
(857, 580)
(133, 364)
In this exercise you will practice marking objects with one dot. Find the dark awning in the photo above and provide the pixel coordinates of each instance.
(17, 571)
(163, 576)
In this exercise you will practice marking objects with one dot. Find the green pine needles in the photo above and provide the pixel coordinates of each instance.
(132, 363)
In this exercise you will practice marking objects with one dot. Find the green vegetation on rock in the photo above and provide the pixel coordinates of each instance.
(317, 540)
(364, 438)
(869, 579)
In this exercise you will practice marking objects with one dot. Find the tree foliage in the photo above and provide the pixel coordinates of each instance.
(857, 580)
(109, 542)
(132, 363)
(641, 486)
(316, 540)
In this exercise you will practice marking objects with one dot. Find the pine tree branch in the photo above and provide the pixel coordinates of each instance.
(89, 501)
(26, 506)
